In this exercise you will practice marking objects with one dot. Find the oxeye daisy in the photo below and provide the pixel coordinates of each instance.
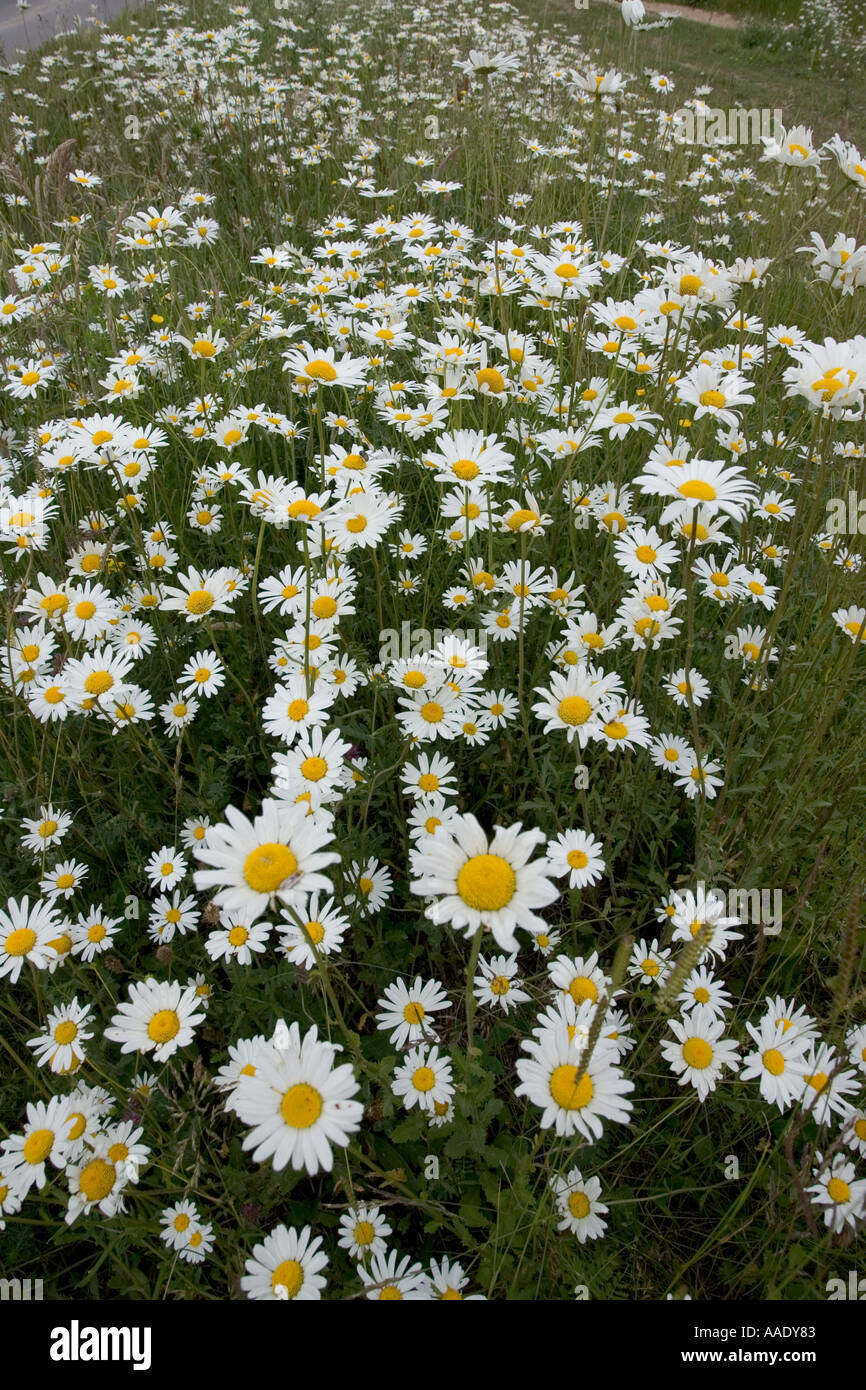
(692, 911)
(575, 1097)
(649, 965)
(405, 1009)
(95, 1181)
(26, 934)
(93, 932)
(48, 828)
(177, 1221)
(700, 1052)
(423, 1078)
(238, 939)
(62, 880)
(826, 1083)
(60, 1045)
(159, 1017)
(579, 702)
(45, 1137)
(203, 674)
(703, 988)
(778, 1061)
(299, 1104)
(447, 1282)
(578, 1206)
(286, 1266)
(363, 1232)
(431, 773)
(577, 854)
(165, 868)
(277, 856)
(390, 1278)
(371, 885)
(838, 1192)
(494, 984)
(479, 881)
(582, 979)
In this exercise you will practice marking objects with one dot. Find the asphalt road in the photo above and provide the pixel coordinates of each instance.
(31, 27)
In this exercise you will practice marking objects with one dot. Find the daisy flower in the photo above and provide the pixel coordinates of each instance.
(778, 1061)
(700, 1053)
(839, 1192)
(63, 879)
(390, 1278)
(159, 1017)
(484, 882)
(404, 1009)
(578, 1206)
(423, 1078)
(574, 1097)
(26, 933)
(493, 985)
(48, 828)
(45, 1137)
(299, 1104)
(363, 1231)
(320, 929)
(276, 856)
(60, 1045)
(285, 1266)
(95, 1181)
(826, 1084)
(165, 868)
(578, 854)
(447, 1282)
(237, 939)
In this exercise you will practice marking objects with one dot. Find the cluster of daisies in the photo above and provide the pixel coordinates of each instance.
(556, 451)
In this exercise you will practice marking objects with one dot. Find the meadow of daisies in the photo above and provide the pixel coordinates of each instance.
(432, 504)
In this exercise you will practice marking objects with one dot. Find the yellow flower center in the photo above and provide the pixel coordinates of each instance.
(269, 865)
(774, 1061)
(20, 941)
(203, 347)
(423, 1079)
(697, 489)
(697, 1053)
(164, 1026)
(569, 1092)
(321, 370)
(199, 601)
(582, 987)
(574, 709)
(490, 377)
(291, 1275)
(65, 1032)
(465, 469)
(38, 1145)
(486, 882)
(414, 1012)
(324, 607)
(364, 1233)
(301, 1106)
(97, 1180)
(238, 936)
(839, 1190)
(578, 1205)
